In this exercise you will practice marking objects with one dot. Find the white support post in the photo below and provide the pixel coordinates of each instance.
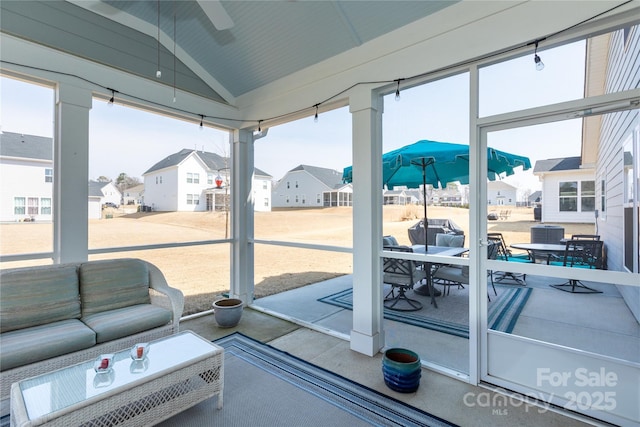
(367, 335)
(71, 174)
(242, 209)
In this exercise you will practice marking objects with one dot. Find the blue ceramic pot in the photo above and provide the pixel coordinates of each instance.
(402, 370)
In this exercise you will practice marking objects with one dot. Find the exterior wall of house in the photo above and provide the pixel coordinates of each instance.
(161, 190)
(192, 181)
(551, 199)
(262, 193)
(501, 194)
(298, 189)
(26, 179)
(95, 208)
(622, 73)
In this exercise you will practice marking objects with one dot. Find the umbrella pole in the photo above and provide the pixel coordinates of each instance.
(424, 200)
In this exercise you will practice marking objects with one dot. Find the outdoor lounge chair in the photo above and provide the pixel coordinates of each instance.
(402, 275)
(580, 254)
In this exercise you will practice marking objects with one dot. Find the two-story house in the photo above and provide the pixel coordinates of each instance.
(192, 181)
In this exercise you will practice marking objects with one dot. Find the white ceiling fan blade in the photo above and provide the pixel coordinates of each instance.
(216, 14)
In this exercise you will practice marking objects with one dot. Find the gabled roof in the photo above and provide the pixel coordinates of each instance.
(25, 146)
(212, 161)
(329, 177)
(496, 185)
(557, 165)
(95, 188)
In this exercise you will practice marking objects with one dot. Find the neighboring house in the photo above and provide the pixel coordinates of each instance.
(312, 186)
(193, 181)
(568, 188)
(26, 177)
(499, 193)
(133, 195)
(101, 193)
(448, 196)
(401, 197)
(535, 198)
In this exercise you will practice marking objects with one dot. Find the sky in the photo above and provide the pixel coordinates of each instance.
(127, 140)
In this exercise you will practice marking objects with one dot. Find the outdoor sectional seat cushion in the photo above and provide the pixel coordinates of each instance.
(29, 345)
(122, 322)
(112, 284)
(38, 296)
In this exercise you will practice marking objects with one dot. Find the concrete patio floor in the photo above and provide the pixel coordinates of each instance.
(438, 394)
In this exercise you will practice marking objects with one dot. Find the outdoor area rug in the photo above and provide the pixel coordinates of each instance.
(452, 314)
(264, 386)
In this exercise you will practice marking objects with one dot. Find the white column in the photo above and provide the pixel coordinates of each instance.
(242, 209)
(71, 174)
(367, 335)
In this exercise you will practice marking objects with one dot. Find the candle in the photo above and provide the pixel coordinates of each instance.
(104, 363)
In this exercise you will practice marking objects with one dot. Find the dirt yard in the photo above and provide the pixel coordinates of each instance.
(202, 272)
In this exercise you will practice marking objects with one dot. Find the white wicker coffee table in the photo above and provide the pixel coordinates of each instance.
(180, 371)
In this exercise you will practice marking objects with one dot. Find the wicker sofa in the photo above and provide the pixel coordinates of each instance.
(58, 315)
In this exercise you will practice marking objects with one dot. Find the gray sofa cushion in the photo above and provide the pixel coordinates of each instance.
(112, 284)
(122, 322)
(42, 342)
(36, 296)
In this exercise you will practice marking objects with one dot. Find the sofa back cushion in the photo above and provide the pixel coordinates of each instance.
(38, 295)
(112, 284)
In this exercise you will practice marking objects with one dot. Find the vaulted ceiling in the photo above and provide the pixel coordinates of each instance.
(267, 58)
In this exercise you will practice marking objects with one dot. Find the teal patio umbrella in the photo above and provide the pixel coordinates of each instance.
(438, 163)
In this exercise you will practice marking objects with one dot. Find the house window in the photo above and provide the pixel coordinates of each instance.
(48, 175)
(569, 196)
(18, 205)
(189, 199)
(156, 179)
(296, 184)
(45, 206)
(196, 178)
(603, 196)
(304, 199)
(288, 185)
(209, 179)
(264, 185)
(196, 199)
(160, 180)
(189, 178)
(32, 206)
(297, 199)
(318, 198)
(266, 202)
(631, 209)
(287, 200)
(588, 196)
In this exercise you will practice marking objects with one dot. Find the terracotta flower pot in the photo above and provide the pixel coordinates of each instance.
(227, 312)
(402, 370)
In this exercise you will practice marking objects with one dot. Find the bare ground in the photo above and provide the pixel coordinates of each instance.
(202, 272)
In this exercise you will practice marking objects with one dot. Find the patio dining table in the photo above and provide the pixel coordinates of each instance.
(545, 250)
(428, 288)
